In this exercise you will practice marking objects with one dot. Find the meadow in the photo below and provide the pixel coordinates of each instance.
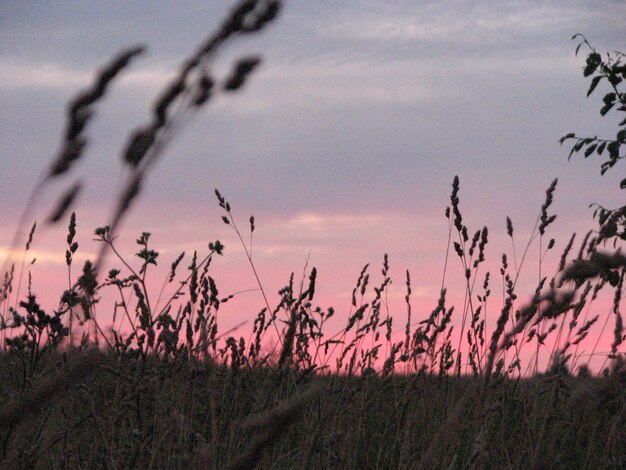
(165, 387)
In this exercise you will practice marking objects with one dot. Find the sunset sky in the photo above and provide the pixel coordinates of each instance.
(343, 144)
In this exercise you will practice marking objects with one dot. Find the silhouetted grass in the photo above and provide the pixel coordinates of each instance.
(168, 389)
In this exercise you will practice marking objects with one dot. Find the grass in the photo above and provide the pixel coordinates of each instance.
(164, 387)
(107, 412)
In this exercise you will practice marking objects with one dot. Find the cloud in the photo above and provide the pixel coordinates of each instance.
(42, 256)
(316, 232)
(324, 223)
(15, 75)
(484, 23)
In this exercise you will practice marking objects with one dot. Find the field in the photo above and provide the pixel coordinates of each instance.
(99, 411)
(166, 387)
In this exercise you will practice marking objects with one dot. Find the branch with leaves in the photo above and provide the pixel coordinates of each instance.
(612, 69)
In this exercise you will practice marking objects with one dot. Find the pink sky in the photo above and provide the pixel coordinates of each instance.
(343, 145)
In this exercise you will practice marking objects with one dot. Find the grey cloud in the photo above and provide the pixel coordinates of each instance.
(360, 106)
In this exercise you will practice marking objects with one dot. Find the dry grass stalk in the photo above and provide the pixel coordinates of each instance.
(18, 410)
(272, 424)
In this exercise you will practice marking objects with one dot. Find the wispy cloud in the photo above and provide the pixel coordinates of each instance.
(51, 257)
(324, 223)
(467, 23)
(16, 75)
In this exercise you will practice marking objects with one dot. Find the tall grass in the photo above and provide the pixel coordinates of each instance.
(165, 387)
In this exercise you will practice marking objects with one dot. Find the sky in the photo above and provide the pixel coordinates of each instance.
(343, 144)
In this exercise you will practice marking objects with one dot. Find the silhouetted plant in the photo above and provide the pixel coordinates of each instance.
(169, 389)
(612, 70)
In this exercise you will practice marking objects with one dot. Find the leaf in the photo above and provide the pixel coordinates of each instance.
(590, 150)
(609, 98)
(606, 108)
(593, 61)
(614, 79)
(579, 45)
(571, 152)
(601, 148)
(621, 136)
(613, 149)
(622, 184)
(594, 84)
(571, 135)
